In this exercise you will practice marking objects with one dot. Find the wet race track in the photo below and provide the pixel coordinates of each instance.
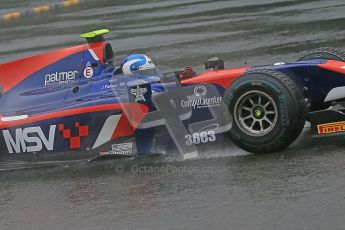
(225, 188)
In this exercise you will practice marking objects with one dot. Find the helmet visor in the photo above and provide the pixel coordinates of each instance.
(148, 72)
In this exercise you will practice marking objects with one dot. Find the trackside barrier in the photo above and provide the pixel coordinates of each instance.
(40, 9)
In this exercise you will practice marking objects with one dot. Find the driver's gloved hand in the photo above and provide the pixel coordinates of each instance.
(187, 73)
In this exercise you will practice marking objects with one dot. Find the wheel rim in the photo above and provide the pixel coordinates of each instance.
(256, 113)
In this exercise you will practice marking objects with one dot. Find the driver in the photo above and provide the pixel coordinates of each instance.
(137, 64)
(142, 65)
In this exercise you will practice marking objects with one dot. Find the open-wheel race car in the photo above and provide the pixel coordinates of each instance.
(74, 103)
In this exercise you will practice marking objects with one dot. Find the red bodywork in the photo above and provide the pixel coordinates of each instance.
(16, 71)
(335, 66)
(222, 78)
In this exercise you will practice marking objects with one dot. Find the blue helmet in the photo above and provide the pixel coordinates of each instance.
(138, 64)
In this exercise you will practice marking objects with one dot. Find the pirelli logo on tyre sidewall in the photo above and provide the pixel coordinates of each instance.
(333, 127)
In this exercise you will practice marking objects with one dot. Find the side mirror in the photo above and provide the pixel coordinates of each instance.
(214, 63)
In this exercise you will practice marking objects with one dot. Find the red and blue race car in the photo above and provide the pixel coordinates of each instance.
(70, 104)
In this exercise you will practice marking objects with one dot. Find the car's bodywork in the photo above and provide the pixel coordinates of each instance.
(68, 105)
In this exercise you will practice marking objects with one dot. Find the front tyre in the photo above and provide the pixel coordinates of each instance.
(327, 53)
(269, 111)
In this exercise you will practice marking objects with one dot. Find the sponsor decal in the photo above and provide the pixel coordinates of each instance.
(201, 137)
(60, 77)
(29, 140)
(83, 131)
(123, 149)
(200, 91)
(201, 101)
(88, 72)
(33, 139)
(333, 127)
(139, 93)
(120, 149)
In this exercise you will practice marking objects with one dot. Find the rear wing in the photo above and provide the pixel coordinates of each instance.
(95, 36)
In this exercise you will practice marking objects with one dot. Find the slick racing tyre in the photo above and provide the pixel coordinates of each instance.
(324, 53)
(268, 110)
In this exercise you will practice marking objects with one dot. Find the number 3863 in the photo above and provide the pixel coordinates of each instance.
(202, 137)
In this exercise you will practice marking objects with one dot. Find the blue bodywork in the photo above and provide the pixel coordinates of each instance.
(36, 96)
(316, 81)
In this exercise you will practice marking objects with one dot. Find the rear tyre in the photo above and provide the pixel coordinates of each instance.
(268, 109)
(324, 53)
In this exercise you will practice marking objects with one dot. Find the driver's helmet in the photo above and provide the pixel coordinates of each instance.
(138, 64)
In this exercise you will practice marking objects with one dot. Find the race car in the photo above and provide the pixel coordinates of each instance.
(70, 104)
